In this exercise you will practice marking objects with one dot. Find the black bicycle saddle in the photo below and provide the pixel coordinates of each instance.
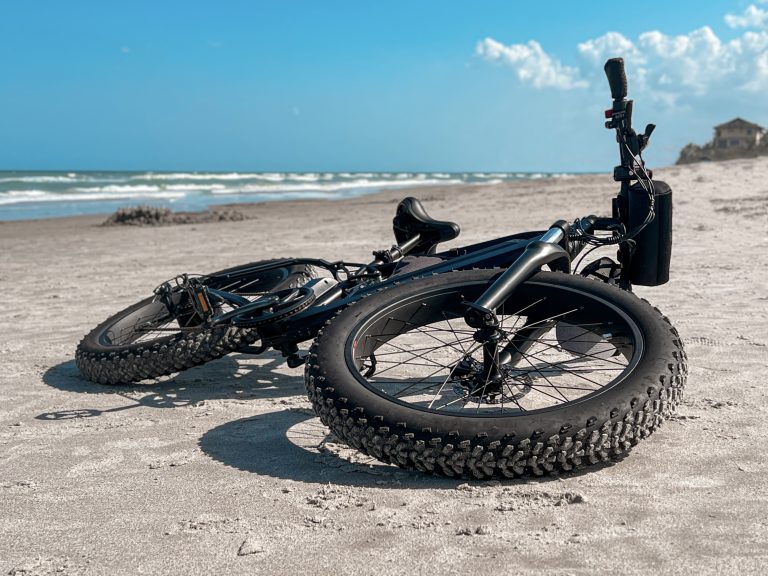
(412, 219)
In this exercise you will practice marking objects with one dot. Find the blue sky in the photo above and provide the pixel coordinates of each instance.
(359, 86)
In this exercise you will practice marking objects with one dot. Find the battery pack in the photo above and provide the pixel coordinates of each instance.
(653, 252)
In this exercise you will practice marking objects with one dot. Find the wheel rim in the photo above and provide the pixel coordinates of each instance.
(566, 345)
(152, 322)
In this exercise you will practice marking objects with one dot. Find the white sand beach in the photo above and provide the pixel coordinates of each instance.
(225, 470)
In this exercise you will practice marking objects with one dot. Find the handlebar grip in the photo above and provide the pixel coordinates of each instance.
(617, 79)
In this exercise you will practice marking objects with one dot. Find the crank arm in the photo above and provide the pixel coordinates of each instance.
(248, 308)
(234, 299)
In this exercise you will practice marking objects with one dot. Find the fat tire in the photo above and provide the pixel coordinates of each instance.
(605, 429)
(134, 363)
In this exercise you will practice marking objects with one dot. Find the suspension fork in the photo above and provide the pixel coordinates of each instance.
(481, 314)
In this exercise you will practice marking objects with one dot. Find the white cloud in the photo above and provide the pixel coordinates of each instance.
(125, 50)
(610, 43)
(659, 65)
(657, 61)
(698, 62)
(753, 17)
(532, 64)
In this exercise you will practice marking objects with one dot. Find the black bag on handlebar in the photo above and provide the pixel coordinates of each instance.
(650, 261)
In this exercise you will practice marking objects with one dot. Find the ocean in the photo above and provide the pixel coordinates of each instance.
(27, 195)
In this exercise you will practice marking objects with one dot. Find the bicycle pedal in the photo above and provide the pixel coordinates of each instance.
(201, 302)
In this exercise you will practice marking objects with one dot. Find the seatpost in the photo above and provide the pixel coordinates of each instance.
(396, 252)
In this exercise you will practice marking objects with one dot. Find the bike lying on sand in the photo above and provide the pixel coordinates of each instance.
(467, 362)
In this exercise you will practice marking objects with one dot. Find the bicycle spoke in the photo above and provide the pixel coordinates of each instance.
(566, 370)
(404, 351)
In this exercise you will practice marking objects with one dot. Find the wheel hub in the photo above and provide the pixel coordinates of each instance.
(469, 381)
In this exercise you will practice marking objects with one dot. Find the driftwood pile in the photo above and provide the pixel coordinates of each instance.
(159, 216)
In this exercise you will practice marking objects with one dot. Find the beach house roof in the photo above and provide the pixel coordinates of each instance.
(739, 123)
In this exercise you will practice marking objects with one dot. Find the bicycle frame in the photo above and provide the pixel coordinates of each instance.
(520, 254)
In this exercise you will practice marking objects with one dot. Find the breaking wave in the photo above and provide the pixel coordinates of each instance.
(51, 194)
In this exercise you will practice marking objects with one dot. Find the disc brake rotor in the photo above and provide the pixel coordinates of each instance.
(469, 383)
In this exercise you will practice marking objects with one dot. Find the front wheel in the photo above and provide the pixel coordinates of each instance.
(580, 372)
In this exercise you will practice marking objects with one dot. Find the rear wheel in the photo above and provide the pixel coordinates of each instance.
(581, 372)
(157, 336)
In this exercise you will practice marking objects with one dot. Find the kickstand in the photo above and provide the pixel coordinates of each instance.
(291, 354)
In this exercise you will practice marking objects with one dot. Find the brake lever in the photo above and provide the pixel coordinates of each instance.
(645, 137)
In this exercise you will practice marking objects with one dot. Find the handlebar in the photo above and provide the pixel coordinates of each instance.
(620, 119)
(617, 78)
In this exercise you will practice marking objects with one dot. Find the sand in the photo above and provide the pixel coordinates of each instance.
(225, 470)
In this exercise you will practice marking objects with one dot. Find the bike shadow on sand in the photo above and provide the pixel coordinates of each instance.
(294, 445)
(232, 377)
(288, 444)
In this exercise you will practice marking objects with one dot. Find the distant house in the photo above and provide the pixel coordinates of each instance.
(735, 139)
(737, 133)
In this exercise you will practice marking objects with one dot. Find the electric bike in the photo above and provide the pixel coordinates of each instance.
(472, 361)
